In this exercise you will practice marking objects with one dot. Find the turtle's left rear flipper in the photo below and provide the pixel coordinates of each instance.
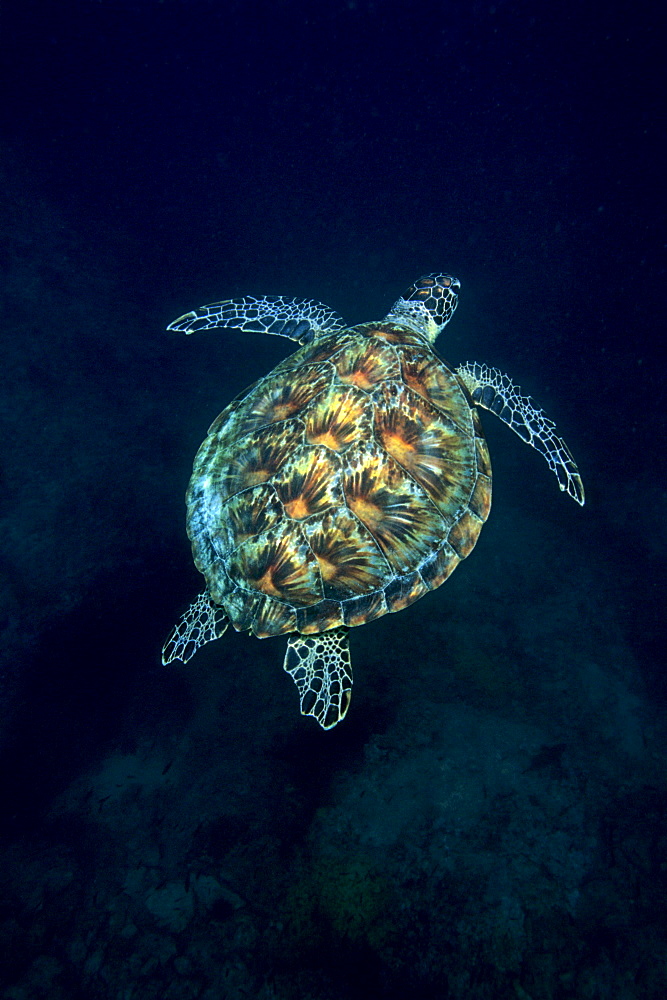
(203, 622)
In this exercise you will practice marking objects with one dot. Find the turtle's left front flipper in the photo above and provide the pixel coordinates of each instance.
(297, 319)
(494, 391)
(321, 669)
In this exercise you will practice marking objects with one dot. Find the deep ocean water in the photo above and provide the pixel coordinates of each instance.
(489, 821)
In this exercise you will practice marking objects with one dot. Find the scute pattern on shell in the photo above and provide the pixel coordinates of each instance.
(346, 484)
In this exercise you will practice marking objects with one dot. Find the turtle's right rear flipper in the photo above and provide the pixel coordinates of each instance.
(320, 667)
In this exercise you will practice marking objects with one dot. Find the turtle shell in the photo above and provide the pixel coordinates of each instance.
(345, 484)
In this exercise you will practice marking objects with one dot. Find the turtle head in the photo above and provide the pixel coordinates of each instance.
(428, 305)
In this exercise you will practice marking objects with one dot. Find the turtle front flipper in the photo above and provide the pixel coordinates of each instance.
(494, 391)
(203, 622)
(298, 319)
(321, 669)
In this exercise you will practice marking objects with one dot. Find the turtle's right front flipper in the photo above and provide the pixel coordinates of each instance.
(495, 392)
(298, 319)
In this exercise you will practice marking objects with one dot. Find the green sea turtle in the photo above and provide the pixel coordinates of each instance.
(346, 483)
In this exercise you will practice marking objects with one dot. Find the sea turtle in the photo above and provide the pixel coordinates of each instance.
(346, 483)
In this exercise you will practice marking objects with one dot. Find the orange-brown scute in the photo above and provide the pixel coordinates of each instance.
(393, 508)
(350, 561)
(436, 453)
(283, 397)
(309, 482)
(430, 377)
(365, 363)
(272, 617)
(393, 333)
(252, 460)
(339, 418)
(345, 484)
(278, 563)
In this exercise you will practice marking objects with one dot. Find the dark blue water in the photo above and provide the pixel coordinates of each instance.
(489, 820)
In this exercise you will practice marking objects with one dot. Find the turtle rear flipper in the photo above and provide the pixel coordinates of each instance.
(494, 391)
(203, 622)
(297, 319)
(320, 667)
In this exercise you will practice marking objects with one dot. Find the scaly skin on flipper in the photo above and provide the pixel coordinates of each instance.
(320, 667)
(203, 622)
(494, 391)
(297, 319)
